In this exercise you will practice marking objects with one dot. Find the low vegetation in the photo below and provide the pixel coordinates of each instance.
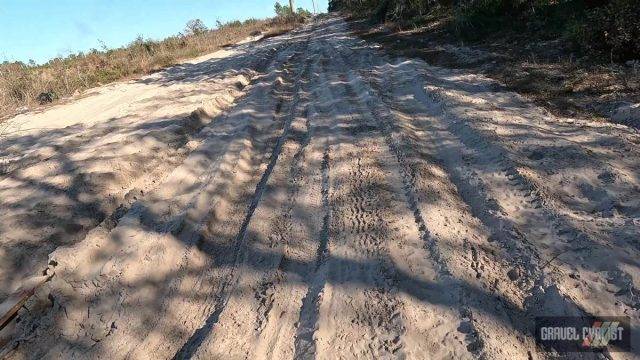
(24, 85)
(572, 57)
(608, 29)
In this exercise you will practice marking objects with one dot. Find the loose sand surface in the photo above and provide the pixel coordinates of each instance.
(306, 196)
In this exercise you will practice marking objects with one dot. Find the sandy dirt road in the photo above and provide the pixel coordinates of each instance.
(323, 201)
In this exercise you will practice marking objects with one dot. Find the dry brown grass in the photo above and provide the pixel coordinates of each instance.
(21, 84)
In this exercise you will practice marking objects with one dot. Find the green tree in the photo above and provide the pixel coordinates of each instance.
(195, 27)
(281, 10)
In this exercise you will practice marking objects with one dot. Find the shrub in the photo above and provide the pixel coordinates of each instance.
(612, 30)
(604, 27)
(195, 27)
(475, 19)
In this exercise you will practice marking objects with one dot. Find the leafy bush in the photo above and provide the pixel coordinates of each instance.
(612, 30)
(604, 27)
(475, 19)
(390, 10)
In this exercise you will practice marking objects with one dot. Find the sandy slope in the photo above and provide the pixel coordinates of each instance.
(327, 202)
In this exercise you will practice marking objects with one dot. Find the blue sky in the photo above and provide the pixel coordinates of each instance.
(44, 29)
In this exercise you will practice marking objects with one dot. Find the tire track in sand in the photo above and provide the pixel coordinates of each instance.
(305, 345)
(412, 170)
(203, 336)
(358, 301)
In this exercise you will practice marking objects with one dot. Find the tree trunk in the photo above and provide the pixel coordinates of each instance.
(291, 6)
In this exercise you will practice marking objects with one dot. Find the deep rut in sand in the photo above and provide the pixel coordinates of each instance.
(354, 205)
